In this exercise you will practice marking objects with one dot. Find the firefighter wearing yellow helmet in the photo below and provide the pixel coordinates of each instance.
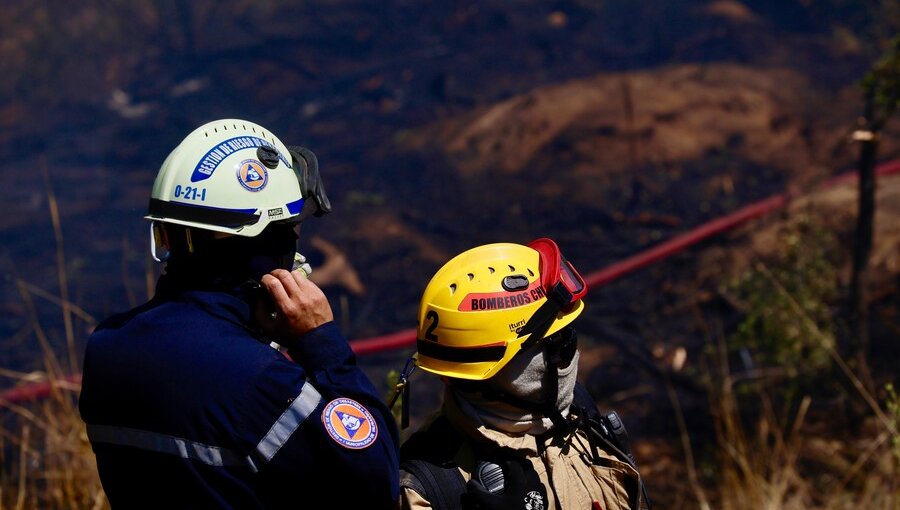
(515, 430)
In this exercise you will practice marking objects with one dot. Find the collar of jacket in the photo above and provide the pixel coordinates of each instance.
(229, 304)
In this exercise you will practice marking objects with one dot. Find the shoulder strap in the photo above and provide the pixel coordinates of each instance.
(610, 429)
(584, 402)
(441, 486)
(427, 465)
(610, 425)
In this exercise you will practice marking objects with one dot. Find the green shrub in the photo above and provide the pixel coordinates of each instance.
(787, 301)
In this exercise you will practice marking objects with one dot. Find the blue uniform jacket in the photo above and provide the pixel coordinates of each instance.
(186, 408)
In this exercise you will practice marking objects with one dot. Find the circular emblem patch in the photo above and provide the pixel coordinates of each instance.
(252, 175)
(349, 423)
(534, 501)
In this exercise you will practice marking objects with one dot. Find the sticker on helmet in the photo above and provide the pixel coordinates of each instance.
(252, 175)
(214, 157)
(478, 301)
(349, 423)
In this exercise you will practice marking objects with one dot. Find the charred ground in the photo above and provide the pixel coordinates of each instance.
(608, 126)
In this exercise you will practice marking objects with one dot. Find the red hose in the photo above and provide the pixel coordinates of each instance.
(406, 338)
(34, 391)
(680, 242)
(397, 340)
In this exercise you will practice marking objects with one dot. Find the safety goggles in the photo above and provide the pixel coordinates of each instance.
(559, 278)
(562, 284)
(306, 167)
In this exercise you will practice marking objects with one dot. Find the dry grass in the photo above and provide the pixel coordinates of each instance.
(774, 461)
(46, 460)
(773, 457)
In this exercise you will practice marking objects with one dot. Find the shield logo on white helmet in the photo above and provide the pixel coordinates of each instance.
(252, 175)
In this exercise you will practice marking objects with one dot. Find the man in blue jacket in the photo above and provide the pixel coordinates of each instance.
(233, 387)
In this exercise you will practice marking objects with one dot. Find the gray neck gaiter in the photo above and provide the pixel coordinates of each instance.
(523, 377)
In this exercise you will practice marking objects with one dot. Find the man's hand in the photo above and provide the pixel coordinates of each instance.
(300, 305)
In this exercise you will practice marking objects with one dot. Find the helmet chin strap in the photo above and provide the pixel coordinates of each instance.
(552, 359)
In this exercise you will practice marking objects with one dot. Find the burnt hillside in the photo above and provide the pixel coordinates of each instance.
(610, 127)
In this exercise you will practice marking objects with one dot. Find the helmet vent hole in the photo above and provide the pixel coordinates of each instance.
(452, 289)
(530, 272)
(491, 269)
(471, 276)
(511, 269)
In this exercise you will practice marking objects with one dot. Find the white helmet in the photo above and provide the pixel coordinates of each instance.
(235, 177)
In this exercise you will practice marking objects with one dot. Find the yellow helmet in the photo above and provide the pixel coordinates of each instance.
(488, 303)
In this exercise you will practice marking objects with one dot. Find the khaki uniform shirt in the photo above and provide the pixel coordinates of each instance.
(564, 465)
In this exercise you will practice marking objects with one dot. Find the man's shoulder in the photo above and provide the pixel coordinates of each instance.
(164, 313)
(120, 319)
(168, 327)
(436, 442)
(428, 469)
